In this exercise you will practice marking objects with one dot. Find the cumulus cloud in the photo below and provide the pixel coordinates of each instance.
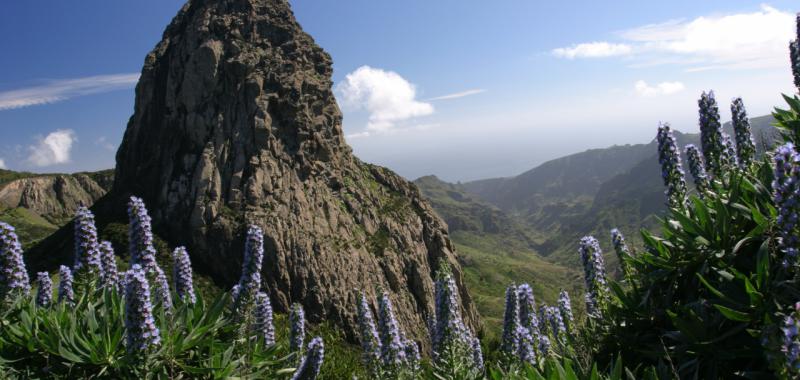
(663, 88)
(734, 41)
(3, 164)
(459, 94)
(55, 148)
(63, 89)
(592, 50)
(385, 95)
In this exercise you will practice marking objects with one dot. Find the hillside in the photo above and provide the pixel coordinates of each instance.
(590, 193)
(567, 177)
(495, 250)
(38, 204)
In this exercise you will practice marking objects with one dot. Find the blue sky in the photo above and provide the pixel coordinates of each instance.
(460, 89)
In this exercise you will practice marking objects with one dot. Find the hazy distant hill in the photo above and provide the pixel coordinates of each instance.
(567, 177)
(590, 193)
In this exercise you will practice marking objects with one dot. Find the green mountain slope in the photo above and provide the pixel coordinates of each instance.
(495, 250)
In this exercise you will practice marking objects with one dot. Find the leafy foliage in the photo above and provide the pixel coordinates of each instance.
(104, 332)
(710, 296)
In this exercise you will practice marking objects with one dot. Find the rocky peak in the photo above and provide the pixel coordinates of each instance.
(235, 122)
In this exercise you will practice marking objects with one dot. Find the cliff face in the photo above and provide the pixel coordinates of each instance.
(38, 204)
(235, 122)
(53, 197)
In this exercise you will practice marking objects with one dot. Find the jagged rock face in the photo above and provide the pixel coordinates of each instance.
(54, 197)
(235, 123)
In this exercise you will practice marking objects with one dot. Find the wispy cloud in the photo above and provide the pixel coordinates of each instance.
(593, 50)
(63, 89)
(394, 131)
(459, 94)
(388, 97)
(55, 148)
(733, 41)
(103, 142)
(663, 88)
(2, 164)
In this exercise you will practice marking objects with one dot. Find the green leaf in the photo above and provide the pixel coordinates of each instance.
(616, 374)
(733, 314)
(793, 102)
(714, 290)
(595, 375)
(570, 372)
(66, 354)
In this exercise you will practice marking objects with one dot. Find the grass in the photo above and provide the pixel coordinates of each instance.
(491, 263)
(495, 249)
(30, 227)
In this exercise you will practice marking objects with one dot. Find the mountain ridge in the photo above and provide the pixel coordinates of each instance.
(566, 204)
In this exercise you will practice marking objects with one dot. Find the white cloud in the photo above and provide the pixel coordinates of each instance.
(459, 94)
(663, 88)
(55, 148)
(735, 41)
(3, 164)
(592, 50)
(63, 89)
(388, 97)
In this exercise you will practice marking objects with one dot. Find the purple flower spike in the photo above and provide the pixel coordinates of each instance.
(711, 138)
(745, 146)
(527, 306)
(44, 293)
(449, 329)
(182, 275)
(594, 275)
(250, 280)
(794, 54)
(697, 168)
(786, 195)
(557, 324)
(729, 158)
(87, 250)
(262, 321)
(412, 354)
(477, 354)
(449, 325)
(110, 274)
(525, 347)
(140, 326)
(297, 327)
(312, 362)
(544, 345)
(392, 349)
(565, 310)
(510, 341)
(65, 292)
(163, 294)
(140, 233)
(370, 342)
(671, 167)
(14, 278)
